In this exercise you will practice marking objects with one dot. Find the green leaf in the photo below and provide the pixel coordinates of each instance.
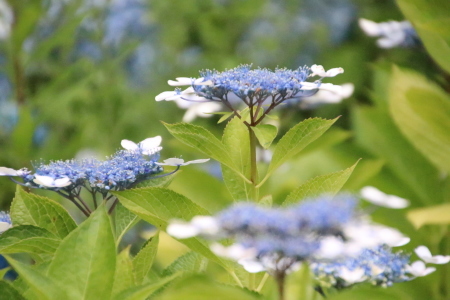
(124, 220)
(421, 109)
(300, 284)
(265, 133)
(124, 277)
(236, 140)
(329, 184)
(8, 292)
(431, 20)
(159, 205)
(201, 139)
(31, 209)
(202, 288)
(144, 291)
(161, 181)
(190, 262)
(143, 261)
(266, 201)
(225, 117)
(297, 138)
(437, 214)
(41, 285)
(28, 239)
(85, 261)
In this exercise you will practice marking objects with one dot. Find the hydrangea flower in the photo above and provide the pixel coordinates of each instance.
(252, 87)
(180, 162)
(5, 221)
(391, 34)
(313, 230)
(424, 254)
(377, 197)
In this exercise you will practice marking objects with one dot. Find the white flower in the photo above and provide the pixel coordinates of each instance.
(4, 226)
(252, 265)
(327, 96)
(6, 20)
(331, 247)
(205, 225)
(51, 182)
(180, 162)
(148, 146)
(200, 109)
(418, 269)
(392, 34)
(424, 253)
(377, 197)
(180, 81)
(354, 276)
(9, 172)
(363, 235)
(235, 252)
(318, 70)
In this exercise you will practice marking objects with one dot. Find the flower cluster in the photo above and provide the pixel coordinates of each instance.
(253, 87)
(276, 239)
(121, 171)
(391, 34)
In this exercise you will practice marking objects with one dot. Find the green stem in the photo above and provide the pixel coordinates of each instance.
(280, 283)
(253, 165)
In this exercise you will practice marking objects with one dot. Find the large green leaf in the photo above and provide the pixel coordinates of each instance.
(265, 133)
(144, 291)
(159, 205)
(85, 261)
(189, 262)
(31, 209)
(329, 184)
(43, 287)
(8, 292)
(201, 139)
(28, 239)
(297, 138)
(124, 220)
(236, 140)
(124, 276)
(421, 111)
(202, 288)
(378, 134)
(437, 214)
(143, 261)
(431, 19)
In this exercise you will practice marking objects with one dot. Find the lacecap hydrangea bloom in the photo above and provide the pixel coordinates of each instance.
(251, 87)
(339, 242)
(391, 34)
(123, 170)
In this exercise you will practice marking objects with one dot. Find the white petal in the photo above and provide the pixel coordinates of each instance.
(4, 171)
(180, 81)
(150, 143)
(330, 87)
(309, 86)
(172, 162)
(370, 28)
(181, 230)
(424, 253)
(330, 248)
(129, 145)
(353, 276)
(196, 161)
(317, 70)
(62, 182)
(165, 96)
(190, 114)
(418, 269)
(43, 180)
(206, 225)
(4, 226)
(333, 72)
(252, 266)
(377, 197)
(234, 252)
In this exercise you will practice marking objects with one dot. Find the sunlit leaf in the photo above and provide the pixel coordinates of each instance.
(85, 261)
(143, 261)
(28, 239)
(421, 111)
(124, 277)
(31, 209)
(437, 214)
(265, 133)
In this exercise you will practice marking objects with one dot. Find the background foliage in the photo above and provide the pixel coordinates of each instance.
(83, 76)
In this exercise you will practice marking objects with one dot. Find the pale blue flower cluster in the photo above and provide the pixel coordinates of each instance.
(258, 83)
(4, 217)
(378, 266)
(121, 171)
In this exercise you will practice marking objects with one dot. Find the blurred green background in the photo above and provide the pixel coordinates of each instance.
(76, 77)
